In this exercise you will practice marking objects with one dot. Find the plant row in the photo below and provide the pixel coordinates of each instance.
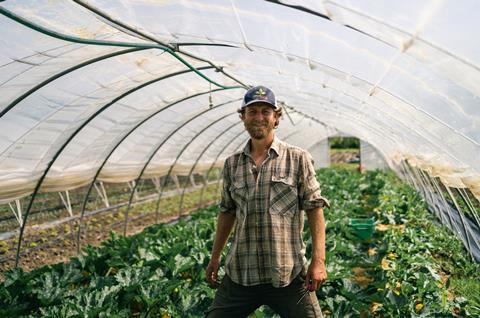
(409, 268)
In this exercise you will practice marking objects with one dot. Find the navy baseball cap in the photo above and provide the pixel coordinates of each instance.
(259, 94)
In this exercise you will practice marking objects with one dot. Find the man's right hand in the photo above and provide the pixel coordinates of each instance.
(212, 273)
(224, 227)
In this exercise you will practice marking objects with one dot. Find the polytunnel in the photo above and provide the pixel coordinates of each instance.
(111, 105)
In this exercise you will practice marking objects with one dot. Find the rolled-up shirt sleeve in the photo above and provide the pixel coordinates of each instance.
(226, 204)
(309, 192)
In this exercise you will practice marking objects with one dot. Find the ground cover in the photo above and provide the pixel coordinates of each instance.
(344, 158)
(411, 267)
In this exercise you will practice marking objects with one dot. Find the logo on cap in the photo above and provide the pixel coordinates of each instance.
(259, 94)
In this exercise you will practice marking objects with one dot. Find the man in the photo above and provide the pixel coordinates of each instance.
(266, 188)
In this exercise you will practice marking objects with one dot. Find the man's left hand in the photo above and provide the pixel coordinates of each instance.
(316, 275)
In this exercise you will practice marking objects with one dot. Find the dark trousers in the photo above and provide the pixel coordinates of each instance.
(234, 300)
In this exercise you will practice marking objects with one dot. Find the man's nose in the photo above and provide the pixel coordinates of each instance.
(259, 115)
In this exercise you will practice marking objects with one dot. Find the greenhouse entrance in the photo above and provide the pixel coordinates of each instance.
(345, 152)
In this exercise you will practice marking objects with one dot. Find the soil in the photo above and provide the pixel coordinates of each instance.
(345, 156)
(58, 243)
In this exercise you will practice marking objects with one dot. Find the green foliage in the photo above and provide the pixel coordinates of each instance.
(406, 269)
(344, 142)
(157, 272)
(412, 267)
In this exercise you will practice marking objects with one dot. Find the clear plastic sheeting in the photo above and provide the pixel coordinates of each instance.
(143, 89)
(321, 154)
(370, 158)
(67, 17)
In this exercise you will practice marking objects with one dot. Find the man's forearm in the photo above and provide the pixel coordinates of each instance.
(225, 224)
(316, 222)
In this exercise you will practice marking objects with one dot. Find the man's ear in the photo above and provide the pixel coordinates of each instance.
(277, 120)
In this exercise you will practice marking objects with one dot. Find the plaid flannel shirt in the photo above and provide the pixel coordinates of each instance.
(268, 204)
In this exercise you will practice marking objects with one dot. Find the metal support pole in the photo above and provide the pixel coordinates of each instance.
(17, 211)
(217, 189)
(460, 213)
(134, 128)
(152, 154)
(407, 175)
(434, 202)
(454, 227)
(66, 202)
(191, 177)
(69, 139)
(100, 194)
(198, 159)
(200, 200)
(412, 175)
(175, 180)
(105, 194)
(186, 146)
(133, 187)
(421, 188)
(468, 203)
(172, 47)
(156, 183)
(118, 144)
(441, 205)
(427, 194)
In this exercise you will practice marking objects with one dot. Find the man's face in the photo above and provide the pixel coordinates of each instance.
(259, 120)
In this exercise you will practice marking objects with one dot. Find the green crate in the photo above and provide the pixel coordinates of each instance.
(362, 228)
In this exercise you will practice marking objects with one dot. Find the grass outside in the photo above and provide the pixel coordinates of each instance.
(335, 150)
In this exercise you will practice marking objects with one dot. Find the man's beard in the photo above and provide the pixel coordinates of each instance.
(258, 130)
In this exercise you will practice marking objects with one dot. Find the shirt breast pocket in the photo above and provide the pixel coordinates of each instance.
(283, 196)
(239, 192)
